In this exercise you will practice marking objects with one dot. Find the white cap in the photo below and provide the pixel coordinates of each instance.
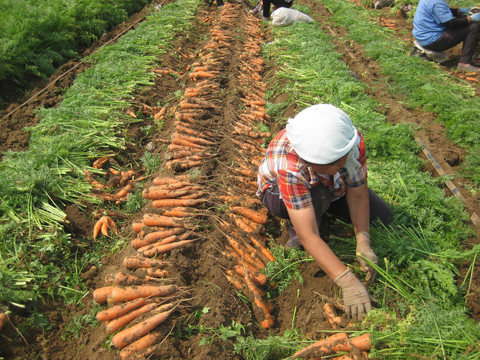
(322, 134)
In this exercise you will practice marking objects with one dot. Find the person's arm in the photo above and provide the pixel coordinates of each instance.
(305, 224)
(359, 208)
(356, 298)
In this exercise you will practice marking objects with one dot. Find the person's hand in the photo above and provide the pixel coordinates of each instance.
(364, 249)
(356, 298)
(475, 17)
(464, 11)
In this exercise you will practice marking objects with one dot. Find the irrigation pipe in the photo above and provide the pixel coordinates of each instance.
(455, 191)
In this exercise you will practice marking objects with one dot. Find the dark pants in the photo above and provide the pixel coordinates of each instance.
(451, 37)
(277, 3)
(322, 203)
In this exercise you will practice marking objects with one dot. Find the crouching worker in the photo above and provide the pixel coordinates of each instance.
(439, 27)
(318, 164)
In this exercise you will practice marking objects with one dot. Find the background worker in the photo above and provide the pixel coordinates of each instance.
(438, 27)
(277, 3)
(318, 164)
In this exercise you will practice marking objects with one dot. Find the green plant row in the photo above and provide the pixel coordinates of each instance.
(38, 36)
(420, 251)
(37, 184)
(419, 84)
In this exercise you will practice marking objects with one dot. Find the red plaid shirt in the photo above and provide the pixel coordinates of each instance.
(281, 165)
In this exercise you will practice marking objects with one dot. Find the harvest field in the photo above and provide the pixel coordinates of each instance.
(155, 135)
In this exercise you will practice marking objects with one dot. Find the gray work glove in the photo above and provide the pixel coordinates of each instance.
(364, 249)
(355, 296)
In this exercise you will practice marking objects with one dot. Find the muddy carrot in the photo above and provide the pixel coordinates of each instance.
(124, 320)
(155, 193)
(260, 303)
(177, 202)
(159, 220)
(140, 345)
(133, 262)
(257, 277)
(164, 248)
(97, 228)
(362, 342)
(331, 315)
(151, 245)
(253, 215)
(322, 347)
(267, 253)
(164, 181)
(131, 334)
(137, 226)
(162, 234)
(120, 278)
(120, 309)
(127, 293)
(100, 295)
(156, 273)
(192, 139)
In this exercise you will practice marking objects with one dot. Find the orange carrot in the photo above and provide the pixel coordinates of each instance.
(164, 248)
(159, 220)
(127, 293)
(124, 320)
(98, 164)
(156, 273)
(95, 183)
(120, 278)
(124, 192)
(151, 245)
(98, 227)
(131, 334)
(133, 262)
(164, 181)
(100, 295)
(323, 347)
(137, 226)
(262, 249)
(177, 202)
(253, 215)
(179, 211)
(241, 224)
(192, 139)
(331, 315)
(362, 342)
(260, 303)
(257, 277)
(180, 141)
(120, 309)
(155, 193)
(140, 345)
(162, 234)
(161, 113)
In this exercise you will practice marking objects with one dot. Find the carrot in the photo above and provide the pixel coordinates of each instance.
(251, 214)
(257, 277)
(133, 262)
(321, 347)
(159, 220)
(98, 164)
(179, 211)
(100, 295)
(164, 248)
(140, 345)
(331, 315)
(120, 309)
(121, 278)
(201, 74)
(156, 273)
(362, 342)
(162, 234)
(129, 335)
(137, 226)
(260, 303)
(152, 245)
(242, 225)
(164, 181)
(183, 142)
(95, 183)
(127, 293)
(183, 164)
(161, 113)
(124, 192)
(235, 281)
(155, 193)
(98, 227)
(262, 249)
(4, 320)
(192, 139)
(177, 202)
(123, 320)
(142, 245)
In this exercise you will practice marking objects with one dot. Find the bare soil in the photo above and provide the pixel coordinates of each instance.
(199, 269)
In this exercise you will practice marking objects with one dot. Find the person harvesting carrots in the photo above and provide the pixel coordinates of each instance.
(439, 27)
(317, 164)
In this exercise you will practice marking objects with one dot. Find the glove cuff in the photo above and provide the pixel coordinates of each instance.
(344, 277)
